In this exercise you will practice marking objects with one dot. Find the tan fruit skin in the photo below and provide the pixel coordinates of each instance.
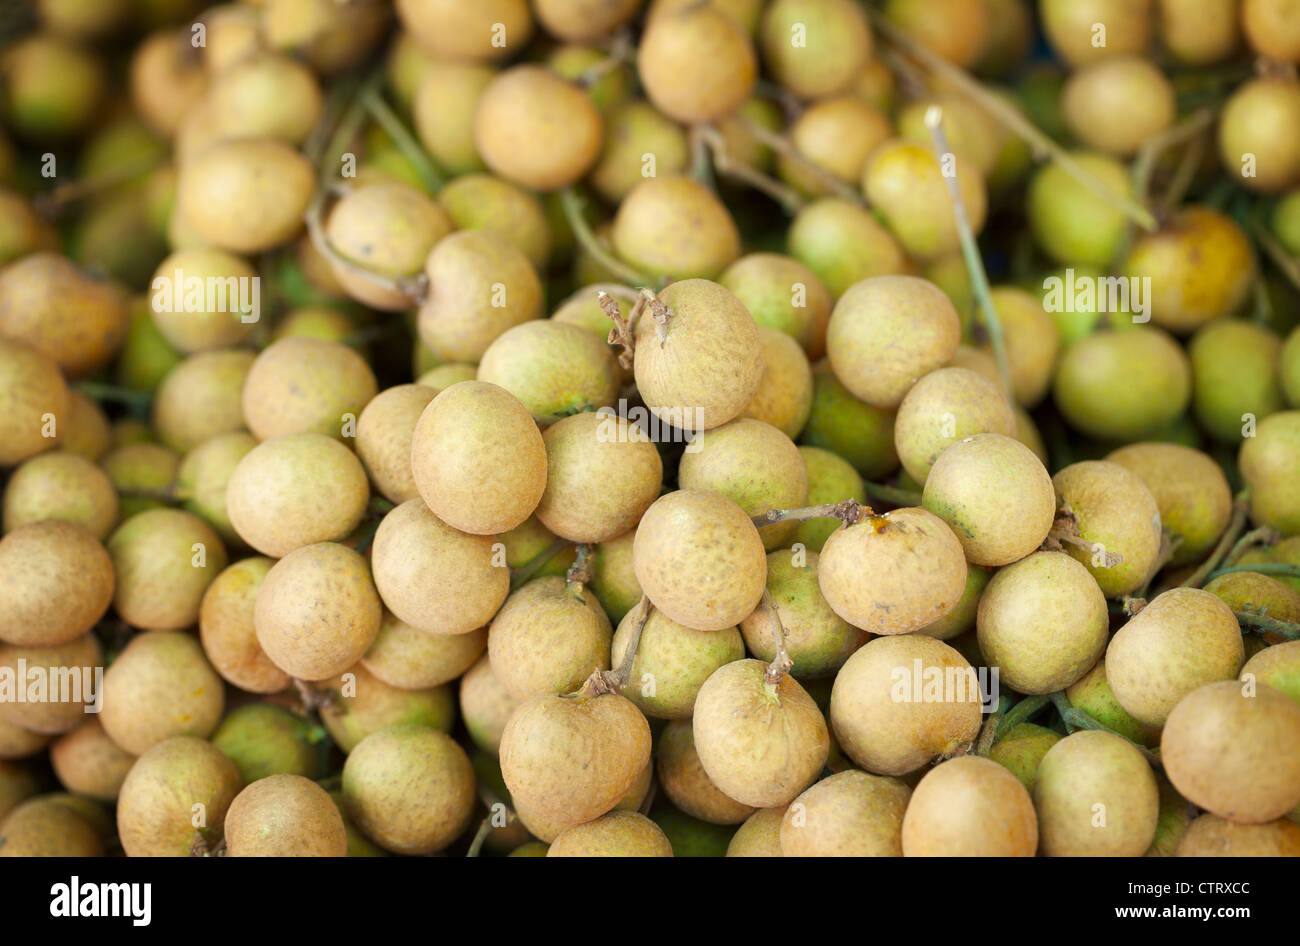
(58, 581)
(443, 111)
(294, 491)
(1068, 27)
(554, 368)
(974, 404)
(1190, 490)
(160, 686)
(1033, 343)
(1212, 836)
(384, 432)
(1235, 755)
(676, 659)
(192, 331)
(227, 632)
(1042, 622)
(548, 829)
(906, 182)
(602, 474)
(893, 737)
(64, 486)
(155, 807)
(1117, 104)
(200, 398)
(284, 816)
(485, 705)
(687, 785)
(458, 320)
(710, 363)
(886, 332)
(838, 45)
(317, 611)
(51, 717)
(784, 397)
(970, 807)
(269, 182)
(850, 814)
(44, 828)
(894, 574)
(547, 639)
(299, 385)
(32, 388)
(696, 65)
(970, 487)
(616, 834)
(537, 130)
(837, 134)
(754, 464)
(1086, 769)
(394, 765)
(760, 744)
(1181, 640)
(572, 759)
(374, 705)
(1261, 119)
(435, 577)
(700, 560)
(457, 30)
(648, 230)
(411, 659)
(1272, 29)
(759, 836)
(478, 459)
(88, 762)
(1267, 462)
(19, 743)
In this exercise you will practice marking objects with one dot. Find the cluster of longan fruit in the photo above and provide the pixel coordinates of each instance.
(650, 428)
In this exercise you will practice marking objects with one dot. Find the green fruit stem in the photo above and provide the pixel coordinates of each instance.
(1075, 718)
(970, 250)
(892, 494)
(789, 199)
(1226, 542)
(783, 146)
(1022, 712)
(1264, 568)
(1284, 261)
(1144, 164)
(1264, 535)
(98, 391)
(1263, 624)
(523, 574)
(379, 110)
(480, 836)
(572, 205)
(1009, 116)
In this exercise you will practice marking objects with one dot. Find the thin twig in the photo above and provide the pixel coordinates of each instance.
(892, 494)
(781, 662)
(613, 681)
(572, 205)
(1263, 624)
(411, 149)
(620, 333)
(1288, 264)
(848, 511)
(1226, 541)
(1022, 712)
(789, 198)
(1264, 535)
(1283, 569)
(1075, 719)
(783, 146)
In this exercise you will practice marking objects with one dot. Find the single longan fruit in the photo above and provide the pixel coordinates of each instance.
(1069, 221)
(548, 638)
(761, 743)
(648, 231)
(1033, 341)
(1115, 514)
(677, 658)
(581, 20)
(697, 64)
(965, 487)
(887, 735)
(887, 332)
(571, 759)
(953, 29)
(906, 184)
(47, 302)
(1211, 836)
(701, 366)
(1200, 32)
(433, 576)
(246, 195)
(1259, 134)
(1042, 621)
(480, 284)
(1234, 377)
(782, 293)
(269, 96)
(284, 816)
(32, 391)
(384, 432)
(684, 781)
(602, 474)
(553, 368)
(613, 575)
(484, 202)
(266, 739)
(843, 243)
(44, 827)
(19, 743)
(1086, 771)
(536, 129)
(179, 299)
(388, 229)
(485, 705)
(969, 807)
(163, 791)
(201, 398)
(1116, 104)
(481, 31)
(1071, 28)
(443, 111)
(362, 704)
(317, 611)
(893, 574)
(165, 82)
(837, 135)
(700, 559)
(85, 429)
(1182, 639)
(70, 687)
(1268, 462)
(784, 398)
(228, 633)
(88, 762)
(164, 560)
(56, 582)
(478, 458)
(305, 385)
(759, 836)
(971, 132)
(632, 131)
(945, 406)
(1235, 751)
(53, 87)
(160, 686)
(836, 45)
(849, 814)
(411, 659)
(1271, 28)
(616, 834)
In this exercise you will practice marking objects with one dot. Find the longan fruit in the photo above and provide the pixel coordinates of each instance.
(1199, 32)
(484, 202)
(43, 827)
(676, 658)
(56, 582)
(204, 474)
(200, 398)
(696, 63)
(144, 475)
(33, 392)
(581, 20)
(1113, 512)
(302, 385)
(782, 293)
(613, 576)
(317, 611)
(1021, 749)
(1069, 221)
(164, 560)
(165, 81)
(953, 29)
(1211, 836)
(485, 705)
(269, 96)
(384, 432)
(554, 369)
(228, 633)
(264, 739)
(481, 31)
(284, 816)
(1234, 376)
(1092, 693)
(411, 659)
(683, 780)
(943, 407)
(784, 397)
(363, 704)
(759, 836)
(836, 134)
(88, 762)
(161, 685)
(1271, 28)
(53, 87)
(1116, 104)
(1259, 134)
(443, 110)
(969, 807)
(614, 834)
(634, 130)
(648, 231)
(1072, 29)
(835, 43)
(850, 428)
(187, 273)
(64, 673)
(167, 787)
(906, 184)
(1268, 462)
(831, 479)
(849, 814)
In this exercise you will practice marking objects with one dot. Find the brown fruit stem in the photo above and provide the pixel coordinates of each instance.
(1169, 544)
(415, 287)
(621, 51)
(791, 106)
(1011, 118)
(1022, 712)
(892, 494)
(621, 333)
(520, 576)
(311, 698)
(572, 205)
(1065, 531)
(1263, 624)
(789, 198)
(781, 663)
(970, 251)
(988, 735)
(1283, 260)
(783, 146)
(1226, 542)
(579, 573)
(613, 681)
(203, 848)
(848, 511)
(1076, 718)
(661, 314)
(374, 104)
(1264, 535)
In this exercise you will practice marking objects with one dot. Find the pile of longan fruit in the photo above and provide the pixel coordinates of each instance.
(650, 428)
